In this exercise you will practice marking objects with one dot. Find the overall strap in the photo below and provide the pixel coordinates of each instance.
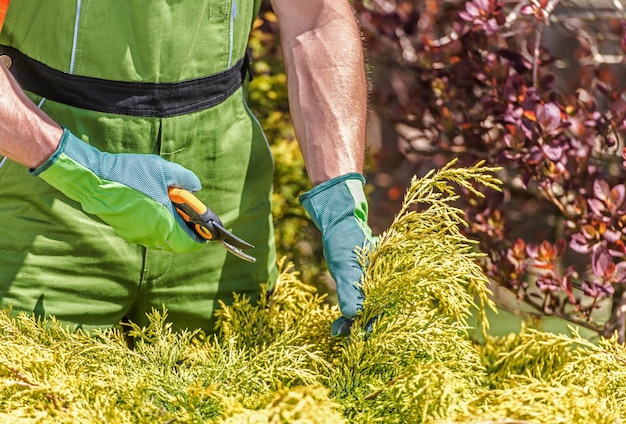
(124, 98)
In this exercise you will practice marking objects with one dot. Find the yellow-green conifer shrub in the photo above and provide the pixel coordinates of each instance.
(420, 286)
(539, 377)
(275, 362)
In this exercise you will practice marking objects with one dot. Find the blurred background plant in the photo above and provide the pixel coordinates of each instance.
(534, 86)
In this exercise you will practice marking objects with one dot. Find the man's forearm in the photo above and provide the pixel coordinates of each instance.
(327, 86)
(27, 135)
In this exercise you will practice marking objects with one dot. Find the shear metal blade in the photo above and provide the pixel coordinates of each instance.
(230, 238)
(237, 252)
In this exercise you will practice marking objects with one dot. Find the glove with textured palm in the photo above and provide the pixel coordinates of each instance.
(338, 208)
(127, 191)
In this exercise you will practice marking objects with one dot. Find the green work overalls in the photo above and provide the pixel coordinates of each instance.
(57, 260)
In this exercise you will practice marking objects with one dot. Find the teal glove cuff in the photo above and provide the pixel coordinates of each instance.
(127, 191)
(338, 207)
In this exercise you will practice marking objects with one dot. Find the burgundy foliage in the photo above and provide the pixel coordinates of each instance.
(477, 80)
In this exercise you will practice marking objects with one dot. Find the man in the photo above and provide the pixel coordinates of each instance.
(91, 237)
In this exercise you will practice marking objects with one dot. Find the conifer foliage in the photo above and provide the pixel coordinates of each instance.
(275, 362)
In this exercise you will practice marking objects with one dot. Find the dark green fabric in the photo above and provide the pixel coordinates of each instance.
(55, 258)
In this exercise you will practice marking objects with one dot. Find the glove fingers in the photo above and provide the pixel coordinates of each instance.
(338, 208)
(127, 191)
(181, 177)
(349, 290)
(341, 327)
(153, 176)
(346, 269)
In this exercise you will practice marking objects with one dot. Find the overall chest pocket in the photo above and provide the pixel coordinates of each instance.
(156, 41)
(219, 11)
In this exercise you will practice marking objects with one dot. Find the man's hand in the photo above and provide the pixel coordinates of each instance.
(338, 208)
(127, 191)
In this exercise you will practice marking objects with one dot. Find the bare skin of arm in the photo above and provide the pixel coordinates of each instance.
(27, 135)
(323, 57)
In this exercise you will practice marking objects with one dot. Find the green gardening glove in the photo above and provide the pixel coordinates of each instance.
(338, 208)
(127, 191)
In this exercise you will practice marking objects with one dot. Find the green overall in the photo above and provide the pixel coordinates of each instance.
(57, 260)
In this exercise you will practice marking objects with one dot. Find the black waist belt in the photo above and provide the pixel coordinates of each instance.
(124, 98)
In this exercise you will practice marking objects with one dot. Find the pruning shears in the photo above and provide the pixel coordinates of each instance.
(205, 223)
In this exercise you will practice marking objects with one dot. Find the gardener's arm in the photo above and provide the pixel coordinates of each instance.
(328, 102)
(326, 79)
(27, 135)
